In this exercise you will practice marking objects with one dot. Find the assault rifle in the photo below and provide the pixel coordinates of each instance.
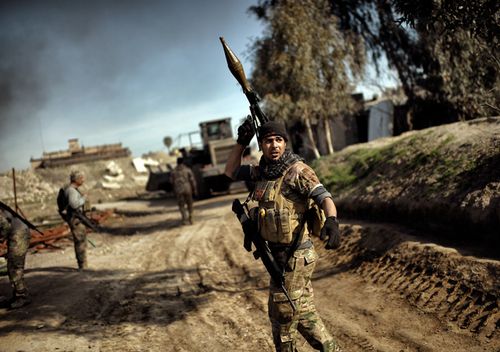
(236, 68)
(261, 248)
(91, 224)
(16, 215)
(80, 215)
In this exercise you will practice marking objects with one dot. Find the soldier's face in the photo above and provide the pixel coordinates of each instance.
(273, 147)
(79, 181)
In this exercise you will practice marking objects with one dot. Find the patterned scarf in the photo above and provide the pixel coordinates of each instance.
(271, 170)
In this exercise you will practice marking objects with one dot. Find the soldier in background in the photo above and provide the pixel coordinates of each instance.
(18, 239)
(184, 185)
(75, 202)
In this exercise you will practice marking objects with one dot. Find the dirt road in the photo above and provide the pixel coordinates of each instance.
(156, 286)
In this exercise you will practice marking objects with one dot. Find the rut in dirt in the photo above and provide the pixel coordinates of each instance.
(461, 290)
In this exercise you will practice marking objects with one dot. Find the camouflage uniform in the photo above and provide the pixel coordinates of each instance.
(76, 201)
(184, 184)
(18, 239)
(293, 190)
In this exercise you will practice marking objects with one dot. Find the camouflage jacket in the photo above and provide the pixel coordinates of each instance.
(182, 179)
(9, 224)
(298, 183)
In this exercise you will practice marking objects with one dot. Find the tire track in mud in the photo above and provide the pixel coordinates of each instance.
(222, 264)
(239, 266)
(454, 299)
(195, 286)
(434, 279)
(463, 291)
(134, 302)
(159, 303)
(224, 277)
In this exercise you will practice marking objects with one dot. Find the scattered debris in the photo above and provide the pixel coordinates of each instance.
(141, 164)
(54, 233)
(105, 180)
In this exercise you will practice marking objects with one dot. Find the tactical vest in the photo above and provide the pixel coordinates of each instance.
(279, 219)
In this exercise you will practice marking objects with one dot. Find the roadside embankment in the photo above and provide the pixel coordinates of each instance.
(444, 179)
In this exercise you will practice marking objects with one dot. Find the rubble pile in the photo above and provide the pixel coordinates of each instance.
(104, 181)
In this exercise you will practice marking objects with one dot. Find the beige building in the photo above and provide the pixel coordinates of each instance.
(79, 154)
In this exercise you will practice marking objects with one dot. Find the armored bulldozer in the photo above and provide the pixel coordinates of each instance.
(207, 162)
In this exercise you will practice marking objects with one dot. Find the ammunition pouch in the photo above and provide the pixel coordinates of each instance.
(276, 225)
(279, 218)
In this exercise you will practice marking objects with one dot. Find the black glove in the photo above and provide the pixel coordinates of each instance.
(245, 132)
(331, 232)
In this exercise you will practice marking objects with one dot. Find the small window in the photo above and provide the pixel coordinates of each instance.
(213, 130)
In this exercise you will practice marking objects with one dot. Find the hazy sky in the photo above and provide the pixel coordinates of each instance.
(112, 71)
(116, 71)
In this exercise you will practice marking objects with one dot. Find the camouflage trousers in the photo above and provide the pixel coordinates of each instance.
(185, 200)
(17, 246)
(286, 324)
(79, 233)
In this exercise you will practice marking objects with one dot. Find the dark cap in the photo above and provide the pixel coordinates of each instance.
(273, 128)
(180, 160)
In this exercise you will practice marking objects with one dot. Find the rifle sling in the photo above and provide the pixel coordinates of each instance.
(16, 215)
(297, 240)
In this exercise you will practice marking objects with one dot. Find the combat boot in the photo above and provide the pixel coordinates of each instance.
(191, 219)
(20, 301)
(332, 346)
(5, 302)
(82, 266)
(184, 217)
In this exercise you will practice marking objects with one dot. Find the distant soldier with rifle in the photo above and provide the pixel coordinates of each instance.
(71, 203)
(285, 189)
(14, 229)
(184, 184)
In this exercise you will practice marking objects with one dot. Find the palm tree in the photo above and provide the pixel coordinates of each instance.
(168, 142)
